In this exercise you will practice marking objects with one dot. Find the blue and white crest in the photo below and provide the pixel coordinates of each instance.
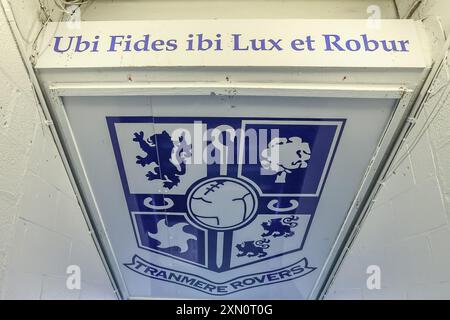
(222, 193)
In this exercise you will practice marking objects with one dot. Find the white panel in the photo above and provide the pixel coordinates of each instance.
(364, 122)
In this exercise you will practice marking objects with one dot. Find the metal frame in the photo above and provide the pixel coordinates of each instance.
(78, 178)
(57, 90)
(245, 89)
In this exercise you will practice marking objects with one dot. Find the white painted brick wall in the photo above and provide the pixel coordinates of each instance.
(407, 232)
(42, 229)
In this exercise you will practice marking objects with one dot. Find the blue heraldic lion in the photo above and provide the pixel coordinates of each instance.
(164, 168)
(280, 227)
(253, 248)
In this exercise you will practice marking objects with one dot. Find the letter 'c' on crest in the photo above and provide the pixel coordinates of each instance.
(148, 203)
(272, 203)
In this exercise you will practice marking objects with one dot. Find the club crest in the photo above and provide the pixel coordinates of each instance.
(222, 193)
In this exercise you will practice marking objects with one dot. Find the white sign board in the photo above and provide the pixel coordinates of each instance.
(308, 43)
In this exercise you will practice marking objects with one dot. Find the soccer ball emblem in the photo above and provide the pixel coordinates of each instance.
(222, 204)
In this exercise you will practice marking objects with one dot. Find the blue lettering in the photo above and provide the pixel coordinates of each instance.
(369, 45)
(298, 44)
(329, 43)
(403, 45)
(333, 42)
(114, 42)
(82, 45)
(172, 45)
(57, 48)
(157, 44)
(309, 42)
(142, 45)
(355, 47)
(236, 39)
(386, 47)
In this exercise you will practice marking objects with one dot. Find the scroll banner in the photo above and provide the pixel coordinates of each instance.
(244, 282)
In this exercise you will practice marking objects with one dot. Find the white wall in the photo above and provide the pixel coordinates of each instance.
(407, 232)
(42, 229)
(236, 9)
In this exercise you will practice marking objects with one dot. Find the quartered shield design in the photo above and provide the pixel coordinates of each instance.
(222, 193)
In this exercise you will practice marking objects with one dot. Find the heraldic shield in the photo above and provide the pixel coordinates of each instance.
(222, 193)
